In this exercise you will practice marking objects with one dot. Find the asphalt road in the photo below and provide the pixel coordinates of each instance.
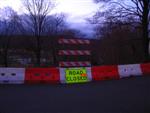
(115, 96)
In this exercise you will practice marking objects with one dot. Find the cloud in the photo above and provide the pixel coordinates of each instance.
(77, 11)
(84, 27)
(15, 4)
(76, 7)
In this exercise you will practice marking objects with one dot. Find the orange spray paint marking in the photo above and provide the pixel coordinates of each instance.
(84, 75)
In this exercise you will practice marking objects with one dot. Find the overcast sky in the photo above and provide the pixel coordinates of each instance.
(76, 10)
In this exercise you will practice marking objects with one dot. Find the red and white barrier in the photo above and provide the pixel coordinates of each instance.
(74, 52)
(73, 64)
(73, 41)
(57, 75)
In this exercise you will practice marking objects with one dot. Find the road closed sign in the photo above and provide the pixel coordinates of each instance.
(76, 75)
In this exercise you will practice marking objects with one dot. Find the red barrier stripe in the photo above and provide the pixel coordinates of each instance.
(74, 52)
(73, 41)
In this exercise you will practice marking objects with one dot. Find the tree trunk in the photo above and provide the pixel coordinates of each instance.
(54, 51)
(145, 43)
(5, 57)
(6, 51)
(38, 53)
(145, 24)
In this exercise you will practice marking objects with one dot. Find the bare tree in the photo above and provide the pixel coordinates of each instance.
(118, 29)
(9, 27)
(60, 23)
(122, 9)
(55, 24)
(37, 13)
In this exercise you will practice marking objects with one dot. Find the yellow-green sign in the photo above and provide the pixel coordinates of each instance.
(76, 75)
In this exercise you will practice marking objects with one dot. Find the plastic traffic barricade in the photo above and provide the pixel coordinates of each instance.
(51, 75)
(12, 75)
(145, 67)
(33, 75)
(105, 72)
(129, 70)
(42, 75)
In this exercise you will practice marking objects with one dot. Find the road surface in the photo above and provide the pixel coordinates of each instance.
(114, 96)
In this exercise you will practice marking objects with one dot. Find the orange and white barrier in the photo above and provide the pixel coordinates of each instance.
(77, 64)
(59, 75)
(73, 41)
(74, 52)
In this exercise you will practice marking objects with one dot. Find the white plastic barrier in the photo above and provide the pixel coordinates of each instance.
(129, 70)
(74, 75)
(12, 75)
